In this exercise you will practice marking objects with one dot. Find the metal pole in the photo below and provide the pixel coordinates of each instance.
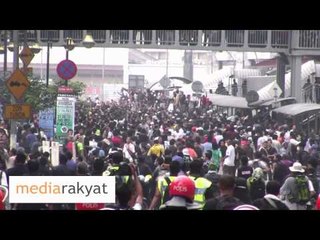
(13, 125)
(67, 58)
(48, 63)
(5, 45)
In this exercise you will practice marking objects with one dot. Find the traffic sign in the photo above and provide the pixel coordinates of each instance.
(65, 90)
(252, 96)
(197, 86)
(165, 82)
(26, 55)
(17, 111)
(17, 84)
(66, 69)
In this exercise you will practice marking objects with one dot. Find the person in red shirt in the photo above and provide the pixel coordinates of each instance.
(318, 203)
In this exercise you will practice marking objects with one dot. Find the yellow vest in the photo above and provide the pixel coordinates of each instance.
(163, 185)
(202, 184)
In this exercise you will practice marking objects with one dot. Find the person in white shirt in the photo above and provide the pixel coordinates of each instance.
(229, 159)
(129, 150)
(3, 178)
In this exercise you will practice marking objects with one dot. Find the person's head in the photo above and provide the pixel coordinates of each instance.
(196, 167)
(241, 191)
(46, 155)
(117, 157)
(226, 184)
(215, 146)
(244, 161)
(33, 166)
(13, 152)
(175, 168)
(62, 159)
(182, 186)
(172, 142)
(296, 168)
(70, 133)
(20, 159)
(98, 166)
(43, 161)
(82, 169)
(208, 155)
(129, 140)
(212, 167)
(273, 187)
(222, 143)
(257, 173)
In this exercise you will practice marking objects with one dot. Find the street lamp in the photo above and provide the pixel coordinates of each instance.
(88, 41)
(69, 46)
(1, 49)
(35, 48)
(11, 46)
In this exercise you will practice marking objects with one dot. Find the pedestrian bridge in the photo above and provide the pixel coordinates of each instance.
(296, 42)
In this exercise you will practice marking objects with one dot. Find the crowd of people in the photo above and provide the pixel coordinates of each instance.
(174, 153)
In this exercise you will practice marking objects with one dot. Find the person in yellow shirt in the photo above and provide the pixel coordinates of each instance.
(157, 148)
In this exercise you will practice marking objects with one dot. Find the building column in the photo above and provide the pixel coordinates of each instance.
(296, 88)
(281, 72)
(188, 65)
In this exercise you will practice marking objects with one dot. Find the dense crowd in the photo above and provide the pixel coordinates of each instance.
(174, 153)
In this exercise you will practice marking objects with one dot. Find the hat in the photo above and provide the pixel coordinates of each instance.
(246, 207)
(156, 139)
(297, 167)
(178, 159)
(257, 173)
(98, 132)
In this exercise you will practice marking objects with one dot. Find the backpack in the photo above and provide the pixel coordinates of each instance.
(301, 195)
(166, 195)
(256, 189)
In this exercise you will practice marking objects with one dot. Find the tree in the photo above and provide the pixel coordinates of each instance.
(38, 95)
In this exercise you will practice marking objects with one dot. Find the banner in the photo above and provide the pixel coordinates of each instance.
(55, 153)
(46, 119)
(46, 146)
(65, 117)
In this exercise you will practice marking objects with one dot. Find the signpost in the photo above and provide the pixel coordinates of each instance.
(54, 154)
(26, 55)
(17, 84)
(17, 111)
(46, 118)
(65, 117)
(66, 69)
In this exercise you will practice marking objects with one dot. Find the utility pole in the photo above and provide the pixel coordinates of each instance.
(13, 125)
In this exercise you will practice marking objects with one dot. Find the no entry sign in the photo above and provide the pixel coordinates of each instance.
(66, 69)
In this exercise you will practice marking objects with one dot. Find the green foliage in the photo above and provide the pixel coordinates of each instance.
(39, 95)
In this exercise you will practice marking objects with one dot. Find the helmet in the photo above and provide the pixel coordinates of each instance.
(246, 207)
(182, 186)
(3, 197)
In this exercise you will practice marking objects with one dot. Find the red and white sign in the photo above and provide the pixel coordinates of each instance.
(65, 90)
(89, 206)
(67, 69)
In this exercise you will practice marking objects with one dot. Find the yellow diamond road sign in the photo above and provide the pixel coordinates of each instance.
(17, 84)
(26, 56)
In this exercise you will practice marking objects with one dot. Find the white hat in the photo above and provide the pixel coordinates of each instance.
(246, 207)
(297, 167)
